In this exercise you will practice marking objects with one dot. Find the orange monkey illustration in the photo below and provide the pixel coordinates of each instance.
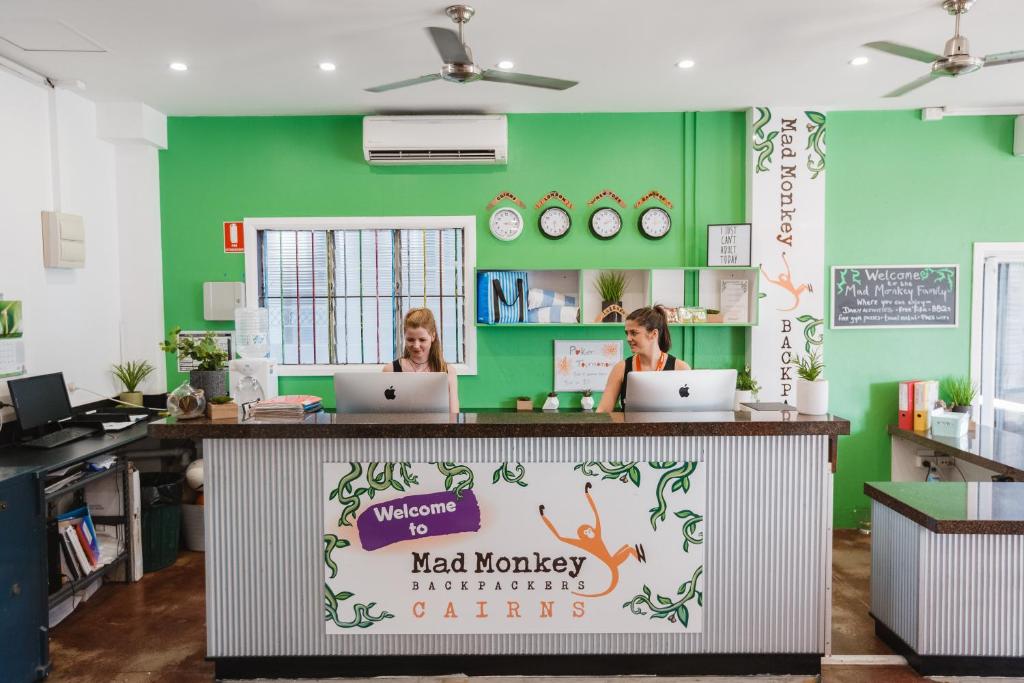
(588, 538)
(785, 281)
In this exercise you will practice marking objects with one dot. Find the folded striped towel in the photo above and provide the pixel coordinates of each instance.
(553, 314)
(539, 298)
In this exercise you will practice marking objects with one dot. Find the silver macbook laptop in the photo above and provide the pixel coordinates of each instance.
(391, 392)
(685, 390)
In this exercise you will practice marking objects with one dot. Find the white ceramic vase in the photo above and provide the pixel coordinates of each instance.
(587, 402)
(551, 403)
(812, 397)
(743, 397)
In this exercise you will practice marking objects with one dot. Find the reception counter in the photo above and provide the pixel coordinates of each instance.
(517, 543)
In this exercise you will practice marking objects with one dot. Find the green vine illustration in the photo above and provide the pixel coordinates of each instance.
(814, 330)
(763, 144)
(508, 475)
(450, 471)
(941, 275)
(332, 543)
(680, 479)
(854, 279)
(666, 608)
(690, 521)
(379, 477)
(362, 616)
(622, 471)
(815, 143)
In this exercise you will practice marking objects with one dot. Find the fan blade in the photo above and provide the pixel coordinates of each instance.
(527, 79)
(1004, 58)
(448, 44)
(404, 84)
(904, 51)
(913, 85)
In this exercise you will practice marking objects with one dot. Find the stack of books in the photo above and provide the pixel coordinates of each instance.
(917, 400)
(292, 406)
(80, 553)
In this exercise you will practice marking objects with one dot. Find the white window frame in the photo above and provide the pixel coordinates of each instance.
(467, 223)
(987, 255)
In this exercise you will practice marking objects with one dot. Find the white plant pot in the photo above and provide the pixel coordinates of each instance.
(551, 403)
(743, 397)
(587, 402)
(812, 397)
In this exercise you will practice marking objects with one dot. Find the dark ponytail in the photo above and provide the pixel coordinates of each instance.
(654, 318)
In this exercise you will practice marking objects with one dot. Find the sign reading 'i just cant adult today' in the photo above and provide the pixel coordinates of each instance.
(596, 547)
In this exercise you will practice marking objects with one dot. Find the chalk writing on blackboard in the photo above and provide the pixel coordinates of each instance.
(895, 296)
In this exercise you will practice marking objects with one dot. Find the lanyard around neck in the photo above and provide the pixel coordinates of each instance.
(660, 365)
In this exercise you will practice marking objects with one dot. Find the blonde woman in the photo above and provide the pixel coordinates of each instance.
(423, 353)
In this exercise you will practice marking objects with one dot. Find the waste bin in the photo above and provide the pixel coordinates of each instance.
(161, 519)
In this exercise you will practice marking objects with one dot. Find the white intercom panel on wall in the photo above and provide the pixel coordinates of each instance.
(63, 240)
(220, 299)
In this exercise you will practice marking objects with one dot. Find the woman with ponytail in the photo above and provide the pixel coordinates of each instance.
(423, 352)
(648, 338)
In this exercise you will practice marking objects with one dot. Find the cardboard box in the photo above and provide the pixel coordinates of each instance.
(222, 411)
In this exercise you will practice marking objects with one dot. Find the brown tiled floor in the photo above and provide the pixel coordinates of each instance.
(155, 630)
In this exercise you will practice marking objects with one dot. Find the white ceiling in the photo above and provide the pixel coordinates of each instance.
(259, 57)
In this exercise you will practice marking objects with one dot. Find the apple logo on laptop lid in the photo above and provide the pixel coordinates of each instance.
(684, 391)
(389, 393)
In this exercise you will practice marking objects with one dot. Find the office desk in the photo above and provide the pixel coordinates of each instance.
(41, 460)
(734, 507)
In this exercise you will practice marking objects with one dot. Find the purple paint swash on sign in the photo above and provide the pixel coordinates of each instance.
(429, 514)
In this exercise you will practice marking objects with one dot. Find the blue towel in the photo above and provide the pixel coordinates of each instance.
(539, 298)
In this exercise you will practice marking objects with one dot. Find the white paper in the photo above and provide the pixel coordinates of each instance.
(735, 301)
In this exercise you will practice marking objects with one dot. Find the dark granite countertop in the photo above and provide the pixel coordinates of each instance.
(955, 507)
(993, 449)
(505, 424)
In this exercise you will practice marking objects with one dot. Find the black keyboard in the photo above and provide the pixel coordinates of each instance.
(61, 437)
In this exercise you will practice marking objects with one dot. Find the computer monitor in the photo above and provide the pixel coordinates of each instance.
(391, 392)
(679, 391)
(40, 400)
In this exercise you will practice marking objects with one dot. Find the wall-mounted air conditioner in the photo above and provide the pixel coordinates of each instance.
(435, 139)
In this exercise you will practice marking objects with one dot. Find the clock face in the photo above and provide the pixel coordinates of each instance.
(555, 222)
(506, 224)
(655, 223)
(605, 223)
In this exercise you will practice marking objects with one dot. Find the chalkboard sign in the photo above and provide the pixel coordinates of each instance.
(895, 296)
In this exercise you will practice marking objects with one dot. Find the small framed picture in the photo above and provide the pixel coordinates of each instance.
(729, 244)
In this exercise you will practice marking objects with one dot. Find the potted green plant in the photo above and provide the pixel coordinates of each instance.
(524, 403)
(611, 285)
(551, 402)
(961, 392)
(746, 388)
(209, 375)
(587, 400)
(811, 387)
(131, 375)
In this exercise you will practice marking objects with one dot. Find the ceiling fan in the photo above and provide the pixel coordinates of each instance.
(458, 61)
(955, 59)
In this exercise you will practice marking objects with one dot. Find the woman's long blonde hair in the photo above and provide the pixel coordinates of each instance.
(422, 317)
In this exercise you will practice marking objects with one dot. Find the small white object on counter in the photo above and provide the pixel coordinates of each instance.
(950, 424)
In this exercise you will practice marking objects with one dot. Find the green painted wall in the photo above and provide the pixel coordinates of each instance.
(901, 190)
(219, 169)
(889, 200)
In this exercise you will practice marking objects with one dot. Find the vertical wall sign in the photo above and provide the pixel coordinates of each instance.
(786, 208)
(234, 238)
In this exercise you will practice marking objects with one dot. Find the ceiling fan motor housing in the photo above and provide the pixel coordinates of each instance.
(461, 73)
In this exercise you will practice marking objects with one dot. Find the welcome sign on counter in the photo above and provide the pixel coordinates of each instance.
(595, 547)
(895, 296)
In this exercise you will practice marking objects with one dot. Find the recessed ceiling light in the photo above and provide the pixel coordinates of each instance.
(327, 66)
(179, 66)
(859, 61)
(506, 64)
(686, 64)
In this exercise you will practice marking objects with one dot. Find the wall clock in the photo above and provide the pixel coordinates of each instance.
(605, 223)
(654, 223)
(506, 224)
(554, 222)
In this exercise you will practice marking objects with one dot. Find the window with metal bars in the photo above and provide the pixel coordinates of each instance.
(337, 296)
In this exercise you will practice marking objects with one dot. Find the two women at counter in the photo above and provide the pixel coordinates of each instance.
(647, 334)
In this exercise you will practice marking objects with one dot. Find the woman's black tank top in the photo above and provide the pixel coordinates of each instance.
(396, 365)
(670, 364)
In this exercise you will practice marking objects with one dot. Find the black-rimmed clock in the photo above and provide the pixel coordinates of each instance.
(554, 222)
(605, 223)
(654, 223)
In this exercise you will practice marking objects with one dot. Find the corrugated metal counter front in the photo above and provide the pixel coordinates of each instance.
(763, 528)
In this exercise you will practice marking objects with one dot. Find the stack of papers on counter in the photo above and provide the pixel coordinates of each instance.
(295, 405)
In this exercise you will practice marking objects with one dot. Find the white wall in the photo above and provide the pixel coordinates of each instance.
(72, 319)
